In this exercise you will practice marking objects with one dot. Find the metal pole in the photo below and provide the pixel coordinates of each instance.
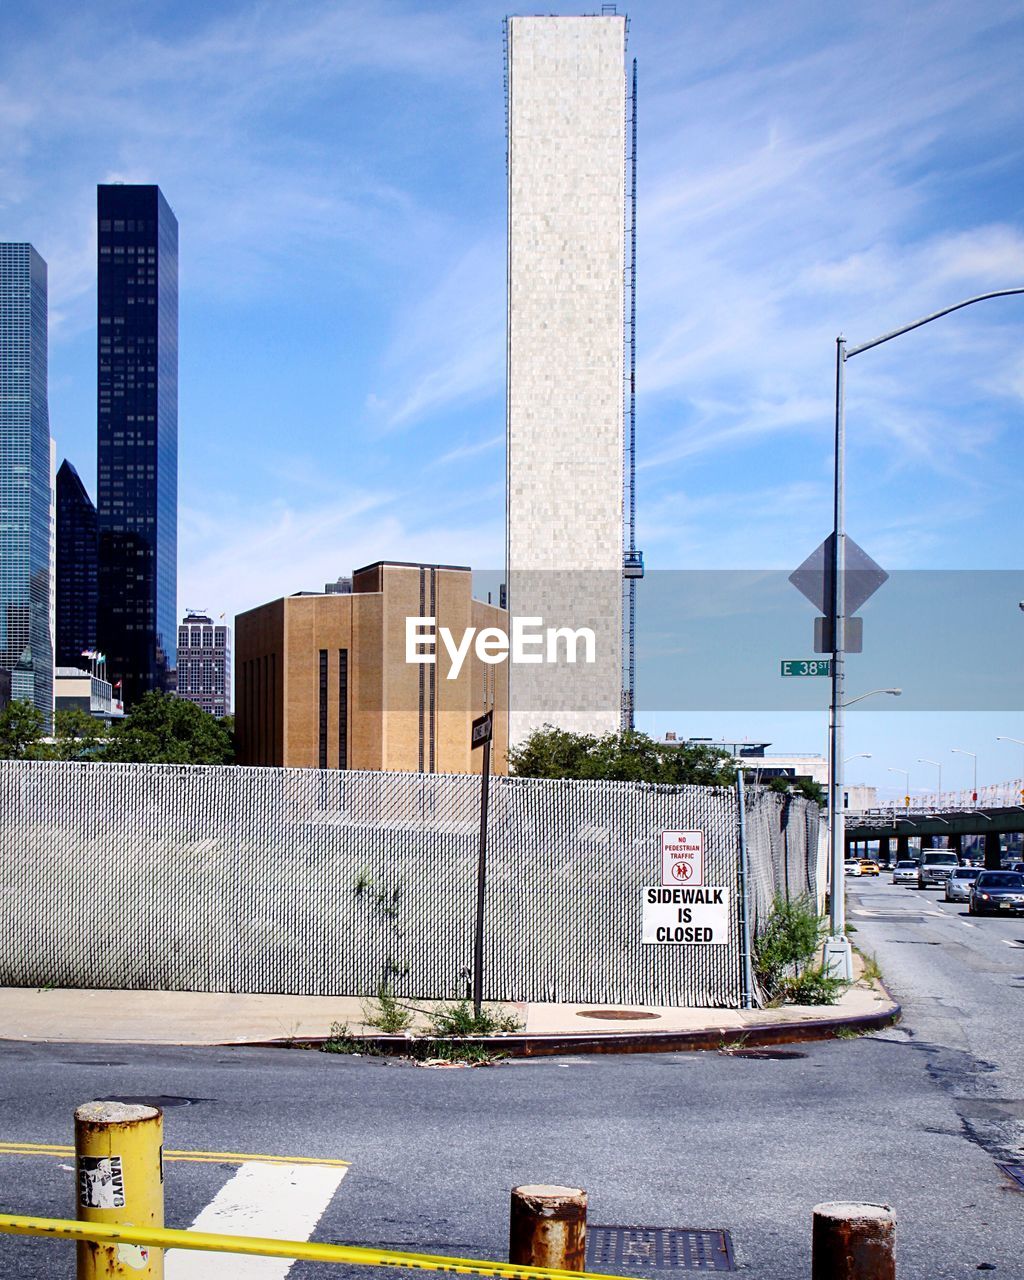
(838, 959)
(747, 971)
(481, 884)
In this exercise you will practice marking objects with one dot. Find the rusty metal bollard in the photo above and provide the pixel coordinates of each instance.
(548, 1227)
(853, 1242)
(118, 1150)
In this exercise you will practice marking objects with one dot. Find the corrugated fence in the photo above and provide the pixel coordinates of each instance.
(165, 877)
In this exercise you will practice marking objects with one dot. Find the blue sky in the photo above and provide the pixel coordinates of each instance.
(337, 170)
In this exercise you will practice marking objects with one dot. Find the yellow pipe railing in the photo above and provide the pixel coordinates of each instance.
(297, 1250)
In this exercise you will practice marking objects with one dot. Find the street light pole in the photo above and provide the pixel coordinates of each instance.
(1002, 737)
(906, 776)
(838, 955)
(960, 752)
(938, 766)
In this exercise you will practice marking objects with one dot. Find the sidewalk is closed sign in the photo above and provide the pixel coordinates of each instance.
(682, 857)
(694, 917)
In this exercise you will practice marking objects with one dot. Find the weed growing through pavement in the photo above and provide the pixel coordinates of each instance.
(784, 953)
(387, 1013)
(459, 1019)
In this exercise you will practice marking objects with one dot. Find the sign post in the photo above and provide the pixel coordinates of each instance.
(480, 736)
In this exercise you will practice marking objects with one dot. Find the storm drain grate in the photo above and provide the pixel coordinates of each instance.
(1016, 1172)
(660, 1248)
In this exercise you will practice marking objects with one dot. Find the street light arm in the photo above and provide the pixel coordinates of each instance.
(916, 324)
(870, 694)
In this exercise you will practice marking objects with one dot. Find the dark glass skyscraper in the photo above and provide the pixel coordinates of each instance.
(137, 482)
(26, 647)
(77, 548)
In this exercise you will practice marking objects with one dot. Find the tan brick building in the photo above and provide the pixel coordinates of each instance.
(322, 681)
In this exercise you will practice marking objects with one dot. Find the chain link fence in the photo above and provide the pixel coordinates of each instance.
(165, 877)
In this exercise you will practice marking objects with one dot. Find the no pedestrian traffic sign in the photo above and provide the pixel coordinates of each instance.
(682, 857)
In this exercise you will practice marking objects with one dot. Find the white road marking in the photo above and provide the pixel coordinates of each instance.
(1011, 943)
(283, 1201)
(967, 924)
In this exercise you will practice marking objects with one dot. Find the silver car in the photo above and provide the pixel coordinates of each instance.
(904, 873)
(958, 886)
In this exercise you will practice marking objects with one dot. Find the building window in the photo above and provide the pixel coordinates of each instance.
(323, 708)
(342, 708)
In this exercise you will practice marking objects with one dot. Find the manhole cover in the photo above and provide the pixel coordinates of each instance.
(617, 1015)
(660, 1248)
(161, 1100)
(781, 1054)
(1016, 1172)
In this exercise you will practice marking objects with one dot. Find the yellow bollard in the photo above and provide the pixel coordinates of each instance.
(119, 1181)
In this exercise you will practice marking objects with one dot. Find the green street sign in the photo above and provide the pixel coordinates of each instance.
(806, 666)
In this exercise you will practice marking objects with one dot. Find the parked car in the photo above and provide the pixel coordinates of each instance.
(904, 873)
(935, 867)
(958, 886)
(852, 866)
(997, 892)
(1017, 866)
(868, 868)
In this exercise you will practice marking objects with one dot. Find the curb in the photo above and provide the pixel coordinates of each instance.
(552, 1044)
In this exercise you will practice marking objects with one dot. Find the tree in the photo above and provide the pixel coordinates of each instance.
(163, 729)
(21, 731)
(76, 736)
(805, 787)
(619, 757)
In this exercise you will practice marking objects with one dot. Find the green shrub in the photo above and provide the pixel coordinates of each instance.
(812, 986)
(459, 1020)
(389, 1015)
(787, 944)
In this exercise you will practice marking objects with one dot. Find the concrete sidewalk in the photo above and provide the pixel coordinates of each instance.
(202, 1018)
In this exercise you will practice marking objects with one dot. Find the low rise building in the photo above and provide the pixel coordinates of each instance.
(325, 680)
(73, 687)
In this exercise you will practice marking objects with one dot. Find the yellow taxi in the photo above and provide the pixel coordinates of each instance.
(868, 868)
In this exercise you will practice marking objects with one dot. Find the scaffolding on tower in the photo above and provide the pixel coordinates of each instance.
(632, 559)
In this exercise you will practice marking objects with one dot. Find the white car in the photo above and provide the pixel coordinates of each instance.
(852, 866)
(904, 873)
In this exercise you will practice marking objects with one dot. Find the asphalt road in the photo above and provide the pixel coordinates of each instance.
(915, 1117)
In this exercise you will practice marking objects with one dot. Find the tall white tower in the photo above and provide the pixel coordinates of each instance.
(566, 275)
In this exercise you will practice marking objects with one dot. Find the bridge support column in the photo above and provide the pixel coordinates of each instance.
(956, 843)
(993, 851)
(883, 849)
(902, 848)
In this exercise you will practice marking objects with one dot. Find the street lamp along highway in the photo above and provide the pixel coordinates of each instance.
(1002, 737)
(937, 764)
(837, 956)
(906, 784)
(961, 752)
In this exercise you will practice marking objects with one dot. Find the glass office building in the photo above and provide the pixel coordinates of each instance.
(77, 547)
(137, 436)
(25, 640)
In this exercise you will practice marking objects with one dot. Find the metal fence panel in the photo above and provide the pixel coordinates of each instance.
(166, 877)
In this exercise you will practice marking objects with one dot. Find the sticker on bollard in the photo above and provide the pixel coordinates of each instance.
(100, 1182)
